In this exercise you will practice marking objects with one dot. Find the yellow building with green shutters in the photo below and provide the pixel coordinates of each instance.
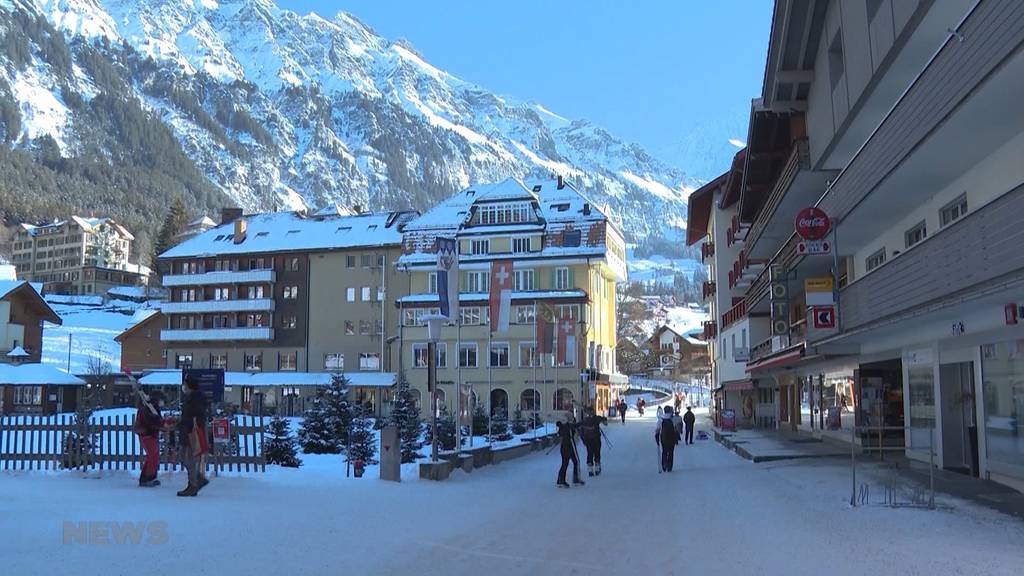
(567, 257)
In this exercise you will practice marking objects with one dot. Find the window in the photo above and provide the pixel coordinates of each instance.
(954, 210)
(350, 328)
(334, 361)
(419, 352)
(291, 263)
(221, 293)
(479, 246)
(291, 292)
(350, 261)
(529, 400)
(254, 362)
(503, 213)
(568, 311)
(520, 245)
(432, 283)
(183, 361)
(188, 295)
(364, 327)
(1002, 371)
(219, 361)
(523, 280)
(366, 260)
(916, 234)
(528, 355)
(563, 399)
(378, 327)
(414, 316)
(478, 281)
(571, 238)
(253, 320)
(350, 294)
(442, 355)
(379, 291)
(467, 355)
(28, 395)
(369, 360)
(525, 314)
(365, 293)
(287, 361)
(499, 355)
(836, 65)
(288, 322)
(470, 315)
(875, 260)
(562, 279)
(255, 292)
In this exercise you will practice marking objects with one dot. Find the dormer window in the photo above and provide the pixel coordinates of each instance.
(503, 213)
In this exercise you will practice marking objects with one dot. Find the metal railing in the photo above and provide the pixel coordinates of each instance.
(862, 496)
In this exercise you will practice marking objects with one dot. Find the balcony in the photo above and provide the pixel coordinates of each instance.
(218, 334)
(710, 330)
(708, 290)
(226, 277)
(255, 305)
(735, 314)
(707, 250)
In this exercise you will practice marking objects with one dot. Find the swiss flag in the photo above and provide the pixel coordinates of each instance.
(566, 341)
(501, 294)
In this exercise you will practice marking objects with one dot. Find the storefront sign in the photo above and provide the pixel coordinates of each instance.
(220, 430)
(741, 354)
(779, 298)
(210, 382)
(813, 247)
(818, 291)
(729, 420)
(824, 317)
(833, 420)
(812, 223)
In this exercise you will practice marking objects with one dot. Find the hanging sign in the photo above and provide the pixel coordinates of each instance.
(812, 223)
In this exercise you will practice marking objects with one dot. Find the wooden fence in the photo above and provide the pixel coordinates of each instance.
(109, 443)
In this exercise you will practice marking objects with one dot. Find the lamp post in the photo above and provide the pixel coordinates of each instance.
(434, 324)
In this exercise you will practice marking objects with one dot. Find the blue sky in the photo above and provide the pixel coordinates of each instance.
(646, 70)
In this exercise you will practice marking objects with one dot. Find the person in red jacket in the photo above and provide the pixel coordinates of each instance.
(148, 424)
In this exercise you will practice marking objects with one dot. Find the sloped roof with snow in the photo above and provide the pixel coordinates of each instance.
(36, 375)
(291, 231)
(452, 213)
(9, 287)
(87, 224)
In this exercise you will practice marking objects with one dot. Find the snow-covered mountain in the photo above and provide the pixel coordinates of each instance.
(280, 110)
(706, 146)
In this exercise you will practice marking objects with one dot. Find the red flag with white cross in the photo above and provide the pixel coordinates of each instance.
(566, 351)
(501, 294)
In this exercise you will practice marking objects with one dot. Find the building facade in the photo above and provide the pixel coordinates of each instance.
(286, 293)
(897, 121)
(141, 347)
(566, 258)
(76, 256)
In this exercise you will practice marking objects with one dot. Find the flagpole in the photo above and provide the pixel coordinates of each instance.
(490, 408)
(458, 385)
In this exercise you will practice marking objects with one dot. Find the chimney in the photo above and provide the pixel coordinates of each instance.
(239, 231)
(357, 208)
(230, 214)
(561, 182)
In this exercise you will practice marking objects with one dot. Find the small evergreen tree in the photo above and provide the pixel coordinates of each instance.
(406, 417)
(174, 224)
(518, 422)
(499, 426)
(326, 424)
(479, 421)
(362, 441)
(445, 430)
(280, 448)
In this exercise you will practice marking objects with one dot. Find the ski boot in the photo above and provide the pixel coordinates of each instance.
(562, 484)
(578, 482)
(590, 470)
(597, 470)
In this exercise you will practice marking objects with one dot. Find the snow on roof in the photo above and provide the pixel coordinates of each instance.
(483, 296)
(36, 375)
(285, 231)
(17, 352)
(564, 204)
(360, 379)
(8, 286)
(454, 212)
(202, 221)
(141, 315)
(87, 224)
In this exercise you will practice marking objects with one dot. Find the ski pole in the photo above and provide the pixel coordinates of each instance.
(605, 436)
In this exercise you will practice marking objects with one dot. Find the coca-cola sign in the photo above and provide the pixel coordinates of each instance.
(812, 223)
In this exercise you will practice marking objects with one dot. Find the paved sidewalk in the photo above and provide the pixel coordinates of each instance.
(765, 446)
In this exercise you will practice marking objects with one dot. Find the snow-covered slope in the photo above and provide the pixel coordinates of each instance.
(279, 110)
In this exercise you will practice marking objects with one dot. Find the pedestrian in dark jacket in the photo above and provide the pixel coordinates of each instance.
(622, 406)
(590, 431)
(193, 418)
(666, 436)
(688, 420)
(567, 438)
(148, 424)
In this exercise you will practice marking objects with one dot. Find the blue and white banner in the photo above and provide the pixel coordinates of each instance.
(448, 277)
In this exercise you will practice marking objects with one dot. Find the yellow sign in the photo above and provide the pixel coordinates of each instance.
(823, 284)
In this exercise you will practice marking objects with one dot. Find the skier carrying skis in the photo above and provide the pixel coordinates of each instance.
(688, 420)
(590, 431)
(192, 434)
(666, 436)
(567, 436)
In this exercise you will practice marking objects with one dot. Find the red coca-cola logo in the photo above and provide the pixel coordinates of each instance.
(812, 224)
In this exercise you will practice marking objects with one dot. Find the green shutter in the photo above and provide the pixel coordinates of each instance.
(554, 279)
(572, 283)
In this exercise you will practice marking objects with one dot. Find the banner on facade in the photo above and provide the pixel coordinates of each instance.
(501, 295)
(448, 277)
(566, 341)
(545, 328)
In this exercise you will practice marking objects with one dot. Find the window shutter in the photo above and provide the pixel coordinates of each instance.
(554, 279)
(572, 282)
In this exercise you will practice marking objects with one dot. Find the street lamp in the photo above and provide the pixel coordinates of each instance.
(434, 323)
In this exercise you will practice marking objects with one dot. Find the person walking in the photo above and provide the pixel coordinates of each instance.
(622, 406)
(590, 431)
(688, 421)
(666, 436)
(567, 438)
(677, 421)
(640, 404)
(148, 424)
(192, 435)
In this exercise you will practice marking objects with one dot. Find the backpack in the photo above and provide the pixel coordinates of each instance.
(669, 435)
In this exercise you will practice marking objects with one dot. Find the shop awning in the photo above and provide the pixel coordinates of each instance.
(737, 385)
(782, 358)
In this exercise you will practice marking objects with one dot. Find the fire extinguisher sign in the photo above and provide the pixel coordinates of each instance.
(220, 430)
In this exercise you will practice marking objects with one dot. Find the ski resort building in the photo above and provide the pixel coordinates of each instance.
(565, 255)
(288, 294)
(77, 256)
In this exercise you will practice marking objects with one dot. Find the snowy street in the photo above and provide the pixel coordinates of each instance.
(507, 519)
